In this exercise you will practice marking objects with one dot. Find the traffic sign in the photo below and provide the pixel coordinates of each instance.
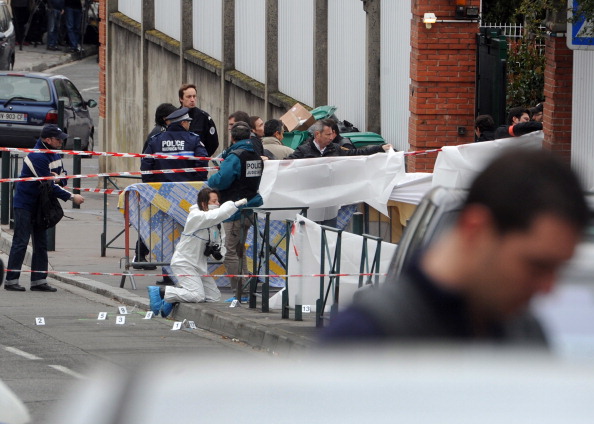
(580, 32)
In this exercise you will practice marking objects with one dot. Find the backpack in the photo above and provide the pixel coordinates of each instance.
(49, 211)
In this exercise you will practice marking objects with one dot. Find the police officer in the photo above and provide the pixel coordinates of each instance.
(238, 177)
(202, 124)
(179, 141)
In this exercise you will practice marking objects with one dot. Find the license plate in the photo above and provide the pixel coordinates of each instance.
(13, 117)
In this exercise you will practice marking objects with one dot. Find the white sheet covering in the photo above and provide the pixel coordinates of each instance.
(457, 166)
(305, 258)
(325, 184)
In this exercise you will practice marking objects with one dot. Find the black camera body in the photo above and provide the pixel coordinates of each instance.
(213, 250)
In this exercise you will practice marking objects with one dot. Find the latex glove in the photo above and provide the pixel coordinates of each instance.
(240, 202)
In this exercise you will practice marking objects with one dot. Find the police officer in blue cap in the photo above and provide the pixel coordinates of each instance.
(177, 140)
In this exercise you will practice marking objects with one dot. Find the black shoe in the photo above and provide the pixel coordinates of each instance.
(54, 48)
(45, 287)
(165, 283)
(14, 287)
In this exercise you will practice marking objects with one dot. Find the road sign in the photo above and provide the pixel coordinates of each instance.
(580, 33)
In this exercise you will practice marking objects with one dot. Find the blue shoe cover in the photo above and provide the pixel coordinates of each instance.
(156, 303)
(243, 299)
(166, 309)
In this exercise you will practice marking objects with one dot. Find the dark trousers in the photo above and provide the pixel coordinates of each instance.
(23, 230)
(20, 17)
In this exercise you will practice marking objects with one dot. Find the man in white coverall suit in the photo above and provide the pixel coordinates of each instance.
(189, 258)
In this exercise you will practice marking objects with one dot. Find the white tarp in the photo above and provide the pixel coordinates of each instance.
(412, 188)
(325, 184)
(457, 166)
(305, 259)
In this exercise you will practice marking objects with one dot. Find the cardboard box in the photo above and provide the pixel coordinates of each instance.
(298, 118)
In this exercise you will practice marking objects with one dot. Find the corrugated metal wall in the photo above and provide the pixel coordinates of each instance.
(207, 31)
(582, 124)
(296, 49)
(346, 60)
(395, 71)
(131, 8)
(168, 17)
(250, 36)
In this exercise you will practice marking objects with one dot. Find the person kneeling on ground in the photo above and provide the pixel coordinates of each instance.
(198, 241)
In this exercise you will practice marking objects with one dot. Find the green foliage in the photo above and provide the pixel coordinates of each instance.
(525, 74)
(500, 11)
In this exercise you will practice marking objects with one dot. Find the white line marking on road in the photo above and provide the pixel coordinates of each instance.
(23, 354)
(67, 371)
(90, 89)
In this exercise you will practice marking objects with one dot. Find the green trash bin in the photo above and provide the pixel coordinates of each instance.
(360, 139)
(323, 112)
(293, 139)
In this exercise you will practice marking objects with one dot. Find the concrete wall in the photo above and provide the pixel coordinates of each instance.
(123, 129)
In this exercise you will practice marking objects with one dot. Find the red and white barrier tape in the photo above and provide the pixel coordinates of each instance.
(146, 155)
(421, 152)
(114, 154)
(108, 174)
(120, 274)
(97, 190)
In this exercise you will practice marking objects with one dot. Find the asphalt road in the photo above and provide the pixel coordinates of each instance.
(40, 362)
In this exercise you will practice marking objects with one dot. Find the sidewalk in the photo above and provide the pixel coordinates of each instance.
(78, 249)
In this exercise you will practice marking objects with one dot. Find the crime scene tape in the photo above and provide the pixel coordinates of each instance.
(114, 154)
(107, 174)
(120, 274)
(421, 152)
(146, 155)
(97, 190)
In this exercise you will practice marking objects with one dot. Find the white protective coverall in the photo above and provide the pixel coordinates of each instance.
(189, 257)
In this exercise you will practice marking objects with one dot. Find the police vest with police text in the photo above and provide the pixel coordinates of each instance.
(248, 182)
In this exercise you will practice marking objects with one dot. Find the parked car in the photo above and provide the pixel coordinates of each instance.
(28, 100)
(7, 37)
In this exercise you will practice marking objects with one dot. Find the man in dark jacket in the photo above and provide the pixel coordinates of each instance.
(238, 178)
(201, 124)
(25, 208)
(521, 221)
(517, 123)
(177, 140)
(484, 128)
(321, 145)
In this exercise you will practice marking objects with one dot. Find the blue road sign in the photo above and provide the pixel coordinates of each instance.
(580, 33)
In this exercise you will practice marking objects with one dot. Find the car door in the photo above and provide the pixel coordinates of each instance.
(83, 122)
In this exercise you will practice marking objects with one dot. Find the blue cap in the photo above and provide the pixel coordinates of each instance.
(52, 130)
(179, 115)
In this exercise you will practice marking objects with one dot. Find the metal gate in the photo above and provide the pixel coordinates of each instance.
(491, 81)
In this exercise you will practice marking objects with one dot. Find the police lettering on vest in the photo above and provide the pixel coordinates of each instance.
(172, 145)
(253, 168)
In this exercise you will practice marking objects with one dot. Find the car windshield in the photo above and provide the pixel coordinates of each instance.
(31, 88)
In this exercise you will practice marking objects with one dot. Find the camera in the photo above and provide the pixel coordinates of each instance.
(213, 250)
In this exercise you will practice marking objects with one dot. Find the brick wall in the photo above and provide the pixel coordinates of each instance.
(557, 91)
(442, 72)
(102, 55)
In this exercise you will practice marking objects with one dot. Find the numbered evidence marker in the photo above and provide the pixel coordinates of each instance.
(192, 325)
(233, 304)
(102, 315)
(120, 320)
(148, 315)
(123, 310)
(306, 309)
(177, 325)
(40, 321)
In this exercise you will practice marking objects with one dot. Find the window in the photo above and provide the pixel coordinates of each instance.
(75, 97)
